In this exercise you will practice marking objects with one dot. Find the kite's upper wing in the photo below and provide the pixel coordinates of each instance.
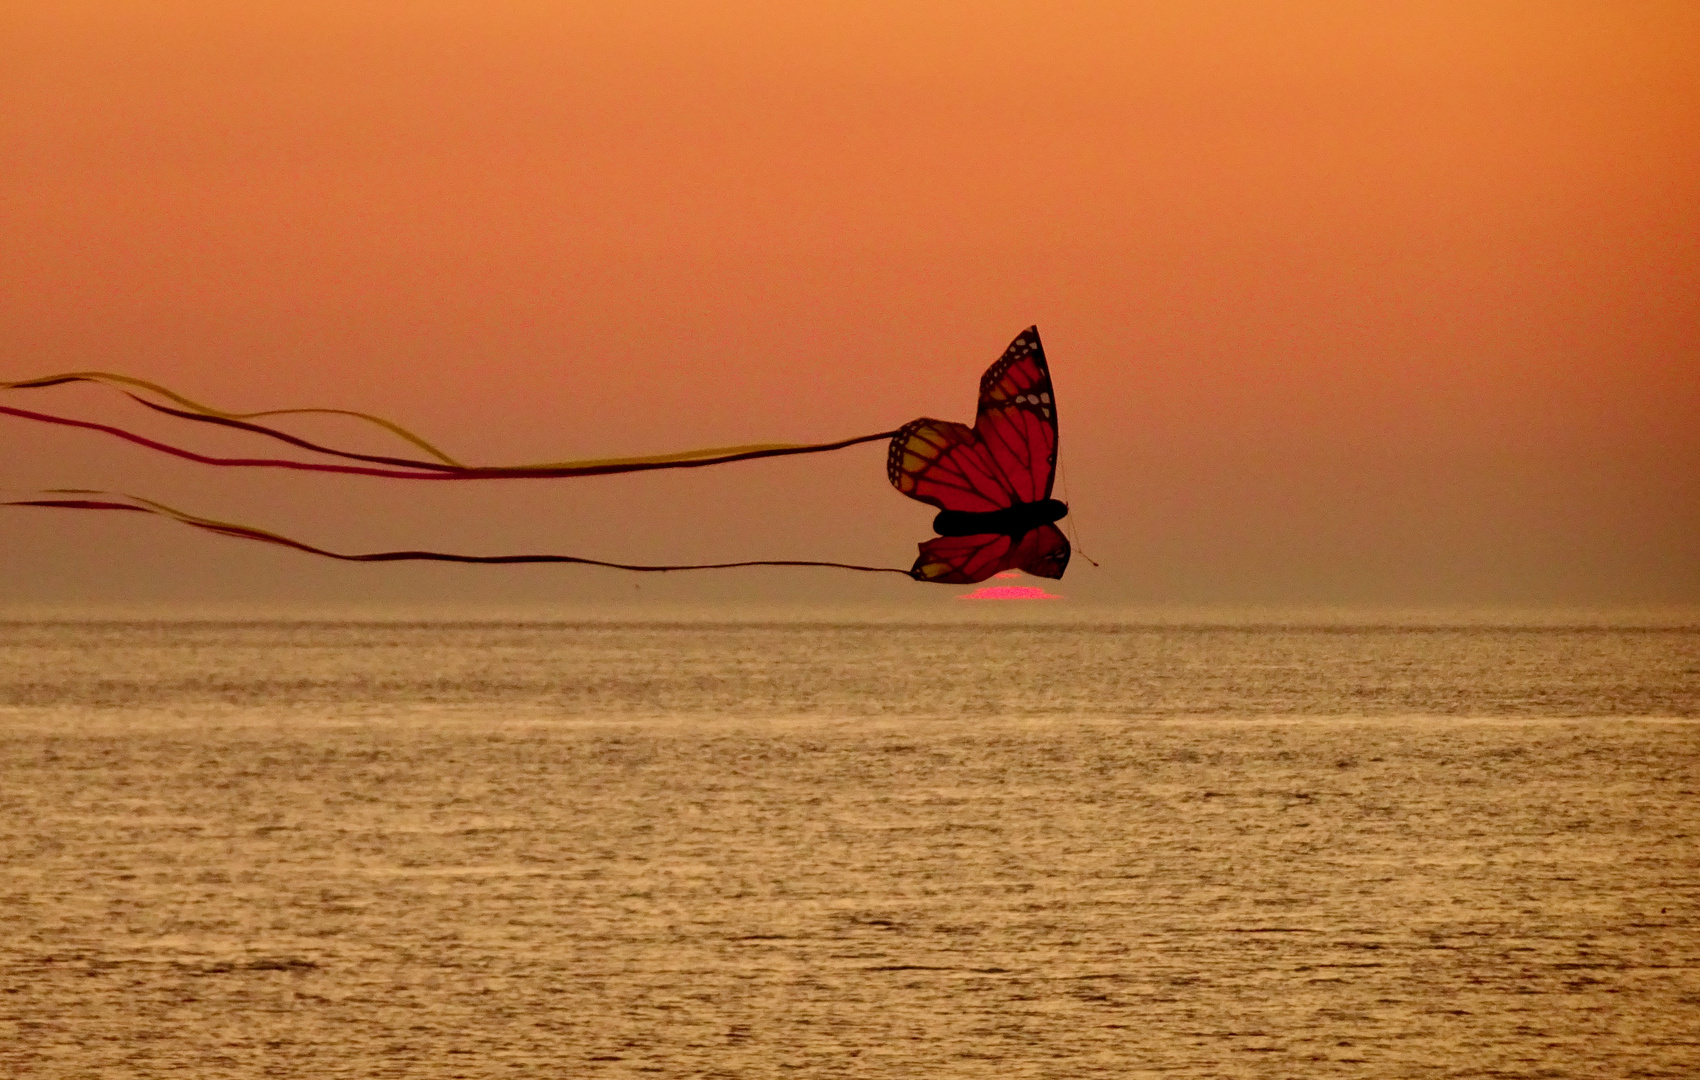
(1017, 418)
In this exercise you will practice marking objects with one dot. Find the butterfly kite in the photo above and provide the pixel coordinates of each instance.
(991, 482)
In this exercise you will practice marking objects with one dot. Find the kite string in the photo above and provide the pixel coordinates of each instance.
(90, 499)
(1073, 525)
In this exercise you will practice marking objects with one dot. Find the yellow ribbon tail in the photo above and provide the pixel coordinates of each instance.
(109, 378)
(92, 499)
(201, 409)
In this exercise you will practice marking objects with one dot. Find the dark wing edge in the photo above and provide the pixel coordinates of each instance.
(1026, 344)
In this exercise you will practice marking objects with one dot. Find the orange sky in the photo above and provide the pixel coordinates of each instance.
(1345, 302)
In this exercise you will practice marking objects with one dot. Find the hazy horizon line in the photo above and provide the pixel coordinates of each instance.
(881, 611)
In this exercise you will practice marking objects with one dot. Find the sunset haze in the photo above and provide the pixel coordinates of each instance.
(1344, 303)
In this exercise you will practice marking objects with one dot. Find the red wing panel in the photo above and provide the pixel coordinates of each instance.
(1017, 418)
(1042, 552)
(942, 463)
(1023, 446)
(963, 560)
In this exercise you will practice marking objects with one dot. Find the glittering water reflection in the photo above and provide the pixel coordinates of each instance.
(869, 851)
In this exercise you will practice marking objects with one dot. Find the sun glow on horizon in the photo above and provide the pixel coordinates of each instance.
(1009, 592)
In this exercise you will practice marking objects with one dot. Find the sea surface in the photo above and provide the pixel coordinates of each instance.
(876, 849)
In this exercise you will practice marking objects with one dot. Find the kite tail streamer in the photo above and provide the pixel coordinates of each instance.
(400, 468)
(87, 499)
(207, 412)
(683, 459)
(690, 459)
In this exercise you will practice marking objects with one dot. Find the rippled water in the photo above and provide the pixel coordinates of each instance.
(860, 850)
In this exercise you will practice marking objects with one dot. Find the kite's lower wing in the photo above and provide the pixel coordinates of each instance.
(1043, 552)
(963, 560)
